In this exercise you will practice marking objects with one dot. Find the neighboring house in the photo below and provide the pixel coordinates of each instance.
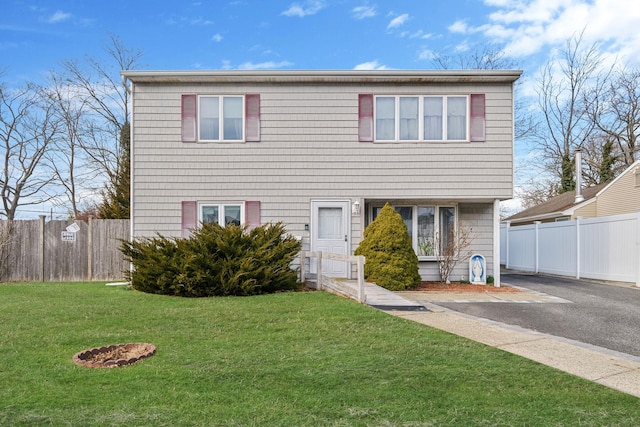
(562, 207)
(620, 196)
(323, 151)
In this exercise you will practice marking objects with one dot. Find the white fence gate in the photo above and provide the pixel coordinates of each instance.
(605, 248)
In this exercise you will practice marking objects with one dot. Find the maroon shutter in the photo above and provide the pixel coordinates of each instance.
(189, 116)
(365, 118)
(477, 117)
(252, 117)
(189, 217)
(252, 214)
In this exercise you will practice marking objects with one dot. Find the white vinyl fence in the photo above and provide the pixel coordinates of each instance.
(605, 248)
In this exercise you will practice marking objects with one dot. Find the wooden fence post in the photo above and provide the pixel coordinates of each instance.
(360, 269)
(319, 258)
(90, 250)
(303, 256)
(42, 248)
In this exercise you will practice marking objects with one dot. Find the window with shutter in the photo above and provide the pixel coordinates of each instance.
(432, 118)
(212, 118)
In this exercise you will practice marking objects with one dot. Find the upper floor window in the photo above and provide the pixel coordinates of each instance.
(221, 118)
(218, 118)
(386, 118)
(428, 118)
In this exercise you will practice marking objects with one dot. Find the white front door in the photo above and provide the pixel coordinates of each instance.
(330, 232)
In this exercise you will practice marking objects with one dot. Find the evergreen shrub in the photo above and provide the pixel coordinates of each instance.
(215, 261)
(391, 261)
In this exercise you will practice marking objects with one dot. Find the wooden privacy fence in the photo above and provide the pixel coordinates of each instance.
(604, 248)
(37, 250)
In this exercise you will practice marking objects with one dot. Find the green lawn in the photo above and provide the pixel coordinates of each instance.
(290, 359)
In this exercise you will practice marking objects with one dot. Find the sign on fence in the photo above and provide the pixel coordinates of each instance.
(68, 236)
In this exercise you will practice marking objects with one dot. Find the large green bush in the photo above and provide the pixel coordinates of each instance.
(215, 261)
(391, 261)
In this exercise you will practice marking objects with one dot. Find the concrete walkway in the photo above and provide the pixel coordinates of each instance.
(612, 369)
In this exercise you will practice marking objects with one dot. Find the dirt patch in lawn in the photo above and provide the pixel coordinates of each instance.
(114, 355)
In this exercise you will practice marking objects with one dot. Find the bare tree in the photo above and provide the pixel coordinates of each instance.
(537, 190)
(451, 249)
(28, 127)
(615, 110)
(106, 104)
(68, 160)
(565, 81)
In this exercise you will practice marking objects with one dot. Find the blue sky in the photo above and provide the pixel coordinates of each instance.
(36, 35)
(305, 34)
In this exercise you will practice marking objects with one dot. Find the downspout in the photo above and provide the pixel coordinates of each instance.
(131, 159)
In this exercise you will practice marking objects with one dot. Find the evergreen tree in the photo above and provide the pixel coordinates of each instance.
(117, 201)
(391, 261)
(606, 166)
(567, 182)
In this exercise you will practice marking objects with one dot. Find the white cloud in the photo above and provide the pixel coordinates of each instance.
(58, 16)
(309, 7)
(426, 55)
(421, 35)
(398, 21)
(269, 65)
(362, 12)
(371, 65)
(459, 27)
(217, 37)
(528, 27)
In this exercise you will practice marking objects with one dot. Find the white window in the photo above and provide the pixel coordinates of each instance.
(425, 224)
(221, 118)
(426, 118)
(223, 214)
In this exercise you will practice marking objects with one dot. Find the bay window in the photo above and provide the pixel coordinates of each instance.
(425, 224)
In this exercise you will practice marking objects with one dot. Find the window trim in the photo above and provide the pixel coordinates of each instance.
(414, 221)
(421, 98)
(221, 138)
(221, 208)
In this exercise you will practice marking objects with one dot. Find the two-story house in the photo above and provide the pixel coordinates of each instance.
(323, 151)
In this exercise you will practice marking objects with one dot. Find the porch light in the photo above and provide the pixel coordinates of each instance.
(355, 208)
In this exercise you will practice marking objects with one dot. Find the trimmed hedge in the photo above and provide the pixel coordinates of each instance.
(391, 261)
(215, 261)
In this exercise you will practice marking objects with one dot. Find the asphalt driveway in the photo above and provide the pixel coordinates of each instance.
(600, 314)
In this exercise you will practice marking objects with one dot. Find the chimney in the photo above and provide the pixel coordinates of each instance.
(579, 196)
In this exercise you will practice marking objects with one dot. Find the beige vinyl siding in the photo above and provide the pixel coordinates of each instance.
(309, 150)
(588, 211)
(621, 197)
